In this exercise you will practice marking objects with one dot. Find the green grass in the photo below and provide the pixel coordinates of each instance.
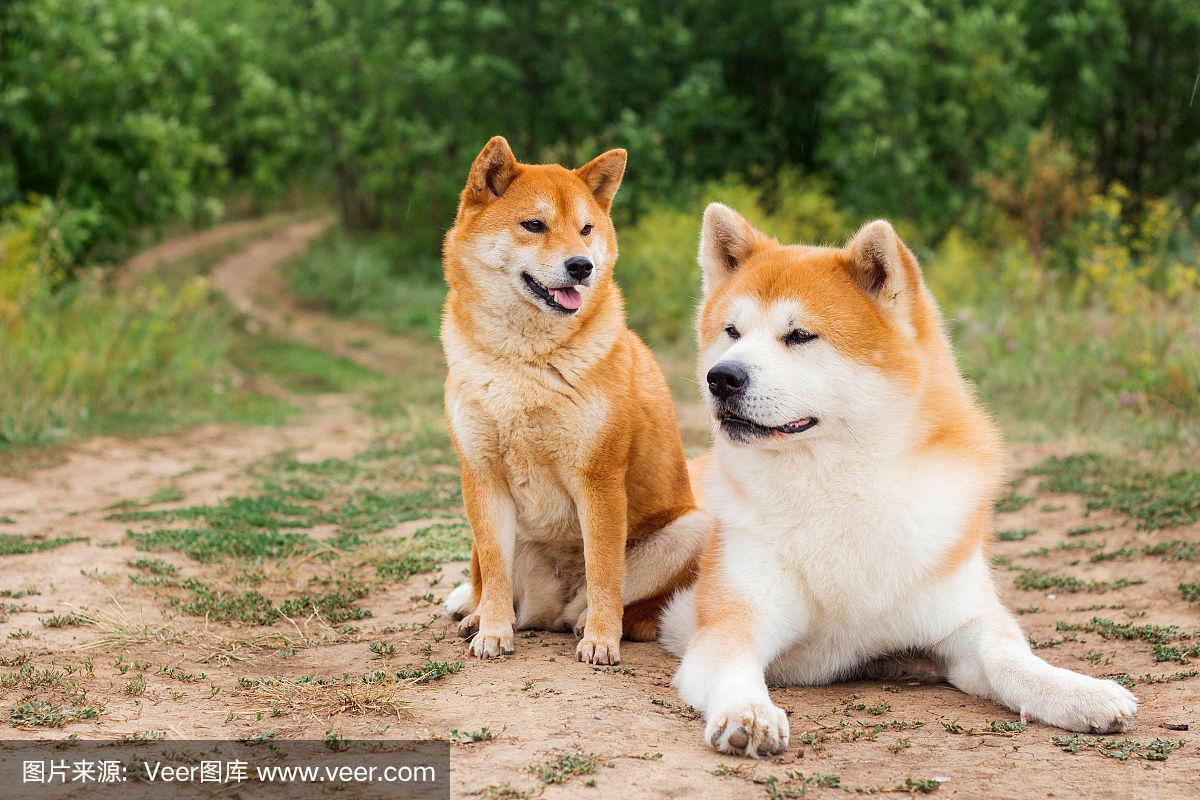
(1190, 592)
(565, 767)
(1018, 535)
(216, 543)
(373, 279)
(1180, 654)
(12, 544)
(43, 714)
(425, 550)
(1084, 530)
(1174, 550)
(484, 734)
(428, 672)
(1153, 498)
(1012, 500)
(389, 483)
(300, 368)
(1108, 629)
(1120, 749)
(86, 360)
(1036, 580)
(194, 597)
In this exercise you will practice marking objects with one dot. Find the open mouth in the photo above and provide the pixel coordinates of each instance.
(564, 299)
(742, 429)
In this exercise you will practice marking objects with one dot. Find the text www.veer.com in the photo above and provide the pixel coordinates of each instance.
(346, 773)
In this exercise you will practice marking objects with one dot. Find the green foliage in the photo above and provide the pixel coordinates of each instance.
(894, 140)
(105, 106)
(1019, 535)
(78, 357)
(657, 269)
(1155, 499)
(565, 767)
(376, 279)
(1120, 749)
(16, 544)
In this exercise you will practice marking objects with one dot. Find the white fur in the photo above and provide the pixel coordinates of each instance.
(831, 539)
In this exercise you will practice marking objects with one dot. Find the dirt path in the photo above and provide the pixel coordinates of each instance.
(152, 668)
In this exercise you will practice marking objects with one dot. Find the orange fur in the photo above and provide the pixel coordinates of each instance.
(575, 401)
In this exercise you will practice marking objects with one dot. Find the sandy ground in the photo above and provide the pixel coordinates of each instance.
(539, 703)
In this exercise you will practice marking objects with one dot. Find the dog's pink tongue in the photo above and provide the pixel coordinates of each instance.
(568, 298)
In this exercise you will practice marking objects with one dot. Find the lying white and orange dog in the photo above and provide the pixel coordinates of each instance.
(853, 476)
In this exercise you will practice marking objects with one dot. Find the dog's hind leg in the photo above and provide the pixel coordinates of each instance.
(988, 656)
(538, 591)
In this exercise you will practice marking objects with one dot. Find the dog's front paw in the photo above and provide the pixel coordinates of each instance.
(491, 640)
(604, 650)
(748, 729)
(1088, 705)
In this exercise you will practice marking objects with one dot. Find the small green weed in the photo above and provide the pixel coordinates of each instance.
(1035, 580)
(1120, 749)
(1153, 499)
(12, 544)
(470, 737)
(1018, 535)
(1012, 500)
(565, 767)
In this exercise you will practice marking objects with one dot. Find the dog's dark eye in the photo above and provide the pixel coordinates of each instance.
(534, 226)
(799, 337)
(586, 229)
(732, 332)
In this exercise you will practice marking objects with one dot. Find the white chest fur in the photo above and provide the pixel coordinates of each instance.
(528, 424)
(854, 537)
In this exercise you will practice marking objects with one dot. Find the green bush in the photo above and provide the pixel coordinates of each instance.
(349, 275)
(86, 359)
(78, 357)
(657, 268)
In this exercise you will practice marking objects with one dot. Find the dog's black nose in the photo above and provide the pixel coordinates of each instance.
(727, 379)
(578, 267)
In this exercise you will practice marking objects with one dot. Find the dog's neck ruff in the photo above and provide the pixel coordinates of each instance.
(533, 337)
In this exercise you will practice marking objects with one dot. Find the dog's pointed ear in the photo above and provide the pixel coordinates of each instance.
(492, 172)
(877, 266)
(603, 175)
(726, 241)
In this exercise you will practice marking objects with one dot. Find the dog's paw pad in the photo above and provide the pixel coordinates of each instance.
(468, 626)
(754, 730)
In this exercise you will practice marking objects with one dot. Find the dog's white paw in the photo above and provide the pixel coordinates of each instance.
(748, 729)
(1085, 704)
(458, 602)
